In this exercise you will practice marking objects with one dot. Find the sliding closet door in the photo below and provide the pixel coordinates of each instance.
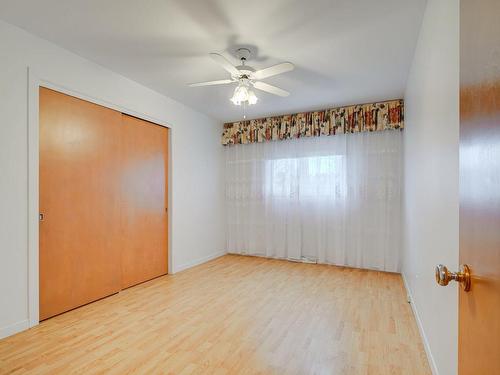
(144, 201)
(80, 234)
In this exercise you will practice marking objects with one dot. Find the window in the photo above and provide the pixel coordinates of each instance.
(312, 177)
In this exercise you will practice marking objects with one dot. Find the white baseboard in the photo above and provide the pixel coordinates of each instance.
(197, 262)
(312, 261)
(427, 348)
(12, 329)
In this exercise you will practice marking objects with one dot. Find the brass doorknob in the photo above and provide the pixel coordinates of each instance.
(443, 276)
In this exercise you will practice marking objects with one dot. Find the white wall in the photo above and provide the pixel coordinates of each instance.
(431, 180)
(197, 222)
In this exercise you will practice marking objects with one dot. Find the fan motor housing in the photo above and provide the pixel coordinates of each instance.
(245, 69)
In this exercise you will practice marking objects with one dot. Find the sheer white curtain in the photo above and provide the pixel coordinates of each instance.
(332, 199)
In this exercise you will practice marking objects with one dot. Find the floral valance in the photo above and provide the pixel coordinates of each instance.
(351, 119)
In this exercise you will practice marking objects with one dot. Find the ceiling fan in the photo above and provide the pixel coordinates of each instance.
(247, 77)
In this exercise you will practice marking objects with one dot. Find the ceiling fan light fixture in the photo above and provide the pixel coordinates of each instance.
(243, 94)
(240, 95)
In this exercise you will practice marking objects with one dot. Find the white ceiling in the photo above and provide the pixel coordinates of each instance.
(345, 51)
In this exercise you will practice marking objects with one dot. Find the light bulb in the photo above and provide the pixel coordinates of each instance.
(252, 98)
(241, 94)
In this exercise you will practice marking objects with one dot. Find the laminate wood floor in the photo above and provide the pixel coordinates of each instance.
(233, 315)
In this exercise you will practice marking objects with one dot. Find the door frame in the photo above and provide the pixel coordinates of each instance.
(34, 83)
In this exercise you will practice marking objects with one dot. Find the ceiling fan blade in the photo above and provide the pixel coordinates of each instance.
(222, 61)
(211, 83)
(274, 70)
(270, 89)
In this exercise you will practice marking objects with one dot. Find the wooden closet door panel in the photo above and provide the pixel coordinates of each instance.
(144, 201)
(79, 198)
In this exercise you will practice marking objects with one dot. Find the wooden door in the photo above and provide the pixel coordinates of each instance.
(479, 309)
(80, 235)
(144, 201)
